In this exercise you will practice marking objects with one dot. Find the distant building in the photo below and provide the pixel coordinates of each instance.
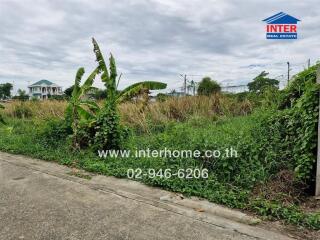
(43, 89)
(235, 88)
(176, 94)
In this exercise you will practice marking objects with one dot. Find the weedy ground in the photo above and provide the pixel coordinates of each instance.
(191, 123)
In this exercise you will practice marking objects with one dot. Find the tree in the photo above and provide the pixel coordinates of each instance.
(22, 95)
(261, 82)
(68, 91)
(5, 90)
(208, 87)
(100, 94)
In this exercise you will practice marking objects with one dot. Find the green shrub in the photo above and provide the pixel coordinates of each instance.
(22, 111)
(2, 121)
(53, 132)
(289, 136)
(292, 214)
(108, 133)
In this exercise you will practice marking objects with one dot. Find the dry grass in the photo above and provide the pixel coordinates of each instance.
(282, 188)
(37, 109)
(143, 116)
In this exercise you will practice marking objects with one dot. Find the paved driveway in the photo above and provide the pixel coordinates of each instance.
(41, 200)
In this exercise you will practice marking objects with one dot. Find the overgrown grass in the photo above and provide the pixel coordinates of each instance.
(146, 118)
(40, 110)
(142, 117)
(230, 182)
(275, 147)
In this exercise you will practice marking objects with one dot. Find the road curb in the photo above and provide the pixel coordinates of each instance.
(208, 207)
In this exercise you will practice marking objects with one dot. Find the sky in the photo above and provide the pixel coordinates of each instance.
(153, 40)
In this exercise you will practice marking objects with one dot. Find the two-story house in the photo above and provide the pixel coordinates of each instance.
(43, 89)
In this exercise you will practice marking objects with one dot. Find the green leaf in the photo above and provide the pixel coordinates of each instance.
(84, 113)
(102, 65)
(93, 106)
(1, 117)
(2, 120)
(77, 81)
(87, 86)
(112, 88)
(136, 88)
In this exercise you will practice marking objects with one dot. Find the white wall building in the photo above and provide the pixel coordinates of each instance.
(44, 88)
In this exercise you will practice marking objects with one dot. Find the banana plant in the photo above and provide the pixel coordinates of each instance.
(104, 122)
(79, 107)
(110, 80)
(108, 132)
(138, 88)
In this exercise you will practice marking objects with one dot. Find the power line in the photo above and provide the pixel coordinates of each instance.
(189, 83)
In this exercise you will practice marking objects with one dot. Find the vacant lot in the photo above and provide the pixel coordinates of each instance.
(273, 133)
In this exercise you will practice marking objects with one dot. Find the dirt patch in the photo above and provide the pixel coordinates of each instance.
(80, 174)
(311, 205)
(282, 188)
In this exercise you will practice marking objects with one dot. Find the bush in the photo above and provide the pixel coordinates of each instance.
(109, 132)
(105, 132)
(22, 111)
(289, 136)
(53, 132)
(2, 121)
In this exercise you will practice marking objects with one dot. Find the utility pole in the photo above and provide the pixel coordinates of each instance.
(193, 88)
(185, 85)
(184, 88)
(288, 72)
(13, 88)
(318, 145)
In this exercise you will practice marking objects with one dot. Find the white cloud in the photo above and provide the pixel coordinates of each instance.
(152, 40)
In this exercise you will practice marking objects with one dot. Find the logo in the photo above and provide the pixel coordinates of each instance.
(281, 26)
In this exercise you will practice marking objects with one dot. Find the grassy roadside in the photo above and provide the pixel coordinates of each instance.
(231, 181)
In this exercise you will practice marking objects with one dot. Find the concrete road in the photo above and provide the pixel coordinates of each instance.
(42, 200)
